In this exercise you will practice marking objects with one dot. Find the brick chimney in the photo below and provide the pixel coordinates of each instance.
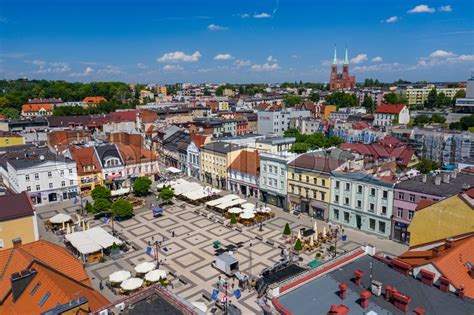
(16, 242)
(388, 292)
(427, 277)
(449, 243)
(364, 298)
(401, 301)
(443, 284)
(461, 293)
(338, 310)
(358, 274)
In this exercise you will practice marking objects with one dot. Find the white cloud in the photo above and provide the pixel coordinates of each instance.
(214, 27)
(222, 57)
(242, 63)
(271, 59)
(171, 68)
(142, 65)
(87, 71)
(445, 8)
(392, 19)
(422, 8)
(52, 67)
(377, 59)
(178, 56)
(265, 67)
(38, 62)
(359, 59)
(262, 15)
(110, 70)
(244, 15)
(381, 67)
(442, 54)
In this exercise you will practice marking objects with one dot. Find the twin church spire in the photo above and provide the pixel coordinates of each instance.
(346, 58)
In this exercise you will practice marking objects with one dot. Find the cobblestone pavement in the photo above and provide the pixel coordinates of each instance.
(189, 253)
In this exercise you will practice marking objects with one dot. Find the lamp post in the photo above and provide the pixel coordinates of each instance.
(226, 284)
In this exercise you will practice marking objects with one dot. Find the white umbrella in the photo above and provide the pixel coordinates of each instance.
(119, 276)
(235, 210)
(145, 267)
(299, 235)
(315, 228)
(311, 241)
(131, 284)
(324, 231)
(200, 305)
(60, 218)
(155, 275)
(247, 215)
(265, 209)
(248, 205)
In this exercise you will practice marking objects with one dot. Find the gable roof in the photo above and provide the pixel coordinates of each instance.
(85, 156)
(15, 206)
(107, 150)
(36, 107)
(134, 154)
(390, 109)
(316, 162)
(94, 99)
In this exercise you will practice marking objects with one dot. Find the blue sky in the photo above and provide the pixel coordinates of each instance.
(234, 41)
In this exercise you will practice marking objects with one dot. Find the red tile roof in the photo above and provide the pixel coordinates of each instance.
(135, 155)
(94, 99)
(402, 154)
(198, 139)
(36, 107)
(390, 109)
(247, 162)
(84, 157)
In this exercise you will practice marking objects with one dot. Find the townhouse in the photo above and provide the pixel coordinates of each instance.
(215, 160)
(113, 168)
(193, 154)
(243, 173)
(362, 201)
(35, 110)
(89, 172)
(389, 114)
(139, 162)
(273, 177)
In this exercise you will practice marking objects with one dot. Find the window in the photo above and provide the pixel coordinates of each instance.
(400, 212)
(38, 187)
(37, 176)
(337, 184)
(281, 184)
(384, 210)
(315, 181)
(346, 201)
(385, 194)
(44, 299)
(293, 176)
(71, 182)
(372, 192)
(336, 214)
(301, 177)
(323, 182)
(314, 194)
(401, 196)
(336, 198)
(359, 204)
(346, 216)
(70, 170)
(50, 185)
(359, 189)
(35, 288)
(412, 198)
(307, 179)
(381, 227)
(323, 196)
(282, 171)
(348, 186)
(50, 174)
(28, 188)
(372, 224)
(63, 183)
(411, 213)
(27, 177)
(372, 207)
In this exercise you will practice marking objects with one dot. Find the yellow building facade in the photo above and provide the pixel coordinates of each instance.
(215, 160)
(24, 228)
(9, 139)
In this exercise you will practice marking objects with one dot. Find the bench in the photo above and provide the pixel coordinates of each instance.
(270, 243)
(207, 296)
(172, 274)
(134, 246)
(183, 280)
(220, 221)
(258, 237)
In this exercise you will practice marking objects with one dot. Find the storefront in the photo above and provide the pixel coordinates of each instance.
(400, 232)
(273, 199)
(318, 210)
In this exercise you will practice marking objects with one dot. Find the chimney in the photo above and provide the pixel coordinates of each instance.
(343, 290)
(437, 180)
(471, 272)
(338, 310)
(423, 178)
(388, 292)
(435, 252)
(461, 292)
(443, 284)
(20, 281)
(364, 298)
(358, 274)
(449, 243)
(16, 242)
(446, 178)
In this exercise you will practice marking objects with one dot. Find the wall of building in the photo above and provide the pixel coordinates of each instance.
(24, 228)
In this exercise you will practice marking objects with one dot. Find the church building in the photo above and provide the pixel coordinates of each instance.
(341, 81)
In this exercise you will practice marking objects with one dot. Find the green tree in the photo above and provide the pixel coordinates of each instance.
(298, 245)
(233, 218)
(467, 122)
(88, 207)
(292, 100)
(101, 205)
(342, 99)
(299, 147)
(10, 112)
(141, 186)
(167, 193)
(432, 98)
(459, 94)
(391, 98)
(425, 166)
(455, 125)
(315, 97)
(369, 104)
(438, 118)
(287, 230)
(122, 208)
(421, 120)
(100, 192)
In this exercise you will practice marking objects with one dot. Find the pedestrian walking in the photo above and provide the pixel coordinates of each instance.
(172, 233)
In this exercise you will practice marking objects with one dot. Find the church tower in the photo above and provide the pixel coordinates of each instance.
(333, 79)
(345, 70)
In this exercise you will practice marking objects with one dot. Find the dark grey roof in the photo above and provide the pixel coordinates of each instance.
(35, 160)
(316, 296)
(107, 150)
(277, 140)
(221, 147)
(454, 186)
(176, 140)
(32, 122)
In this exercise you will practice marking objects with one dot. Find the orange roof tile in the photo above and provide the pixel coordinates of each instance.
(36, 107)
(135, 155)
(389, 109)
(84, 157)
(94, 99)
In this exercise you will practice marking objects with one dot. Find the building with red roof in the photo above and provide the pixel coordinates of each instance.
(39, 276)
(389, 114)
(244, 172)
(94, 100)
(35, 110)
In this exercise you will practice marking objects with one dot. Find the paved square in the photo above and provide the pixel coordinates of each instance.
(202, 223)
(188, 259)
(197, 239)
(165, 222)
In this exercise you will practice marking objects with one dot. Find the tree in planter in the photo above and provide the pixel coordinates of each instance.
(298, 245)
(287, 230)
(89, 207)
(100, 192)
(114, 248)
(141, 186)
(167, 193)
(101, 205)
(233, 218)
(318, 255)
(122, 208)
(332, 249)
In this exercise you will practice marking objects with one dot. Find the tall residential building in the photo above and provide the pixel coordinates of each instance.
(276, 122)
(341, 81)
(418, 96)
